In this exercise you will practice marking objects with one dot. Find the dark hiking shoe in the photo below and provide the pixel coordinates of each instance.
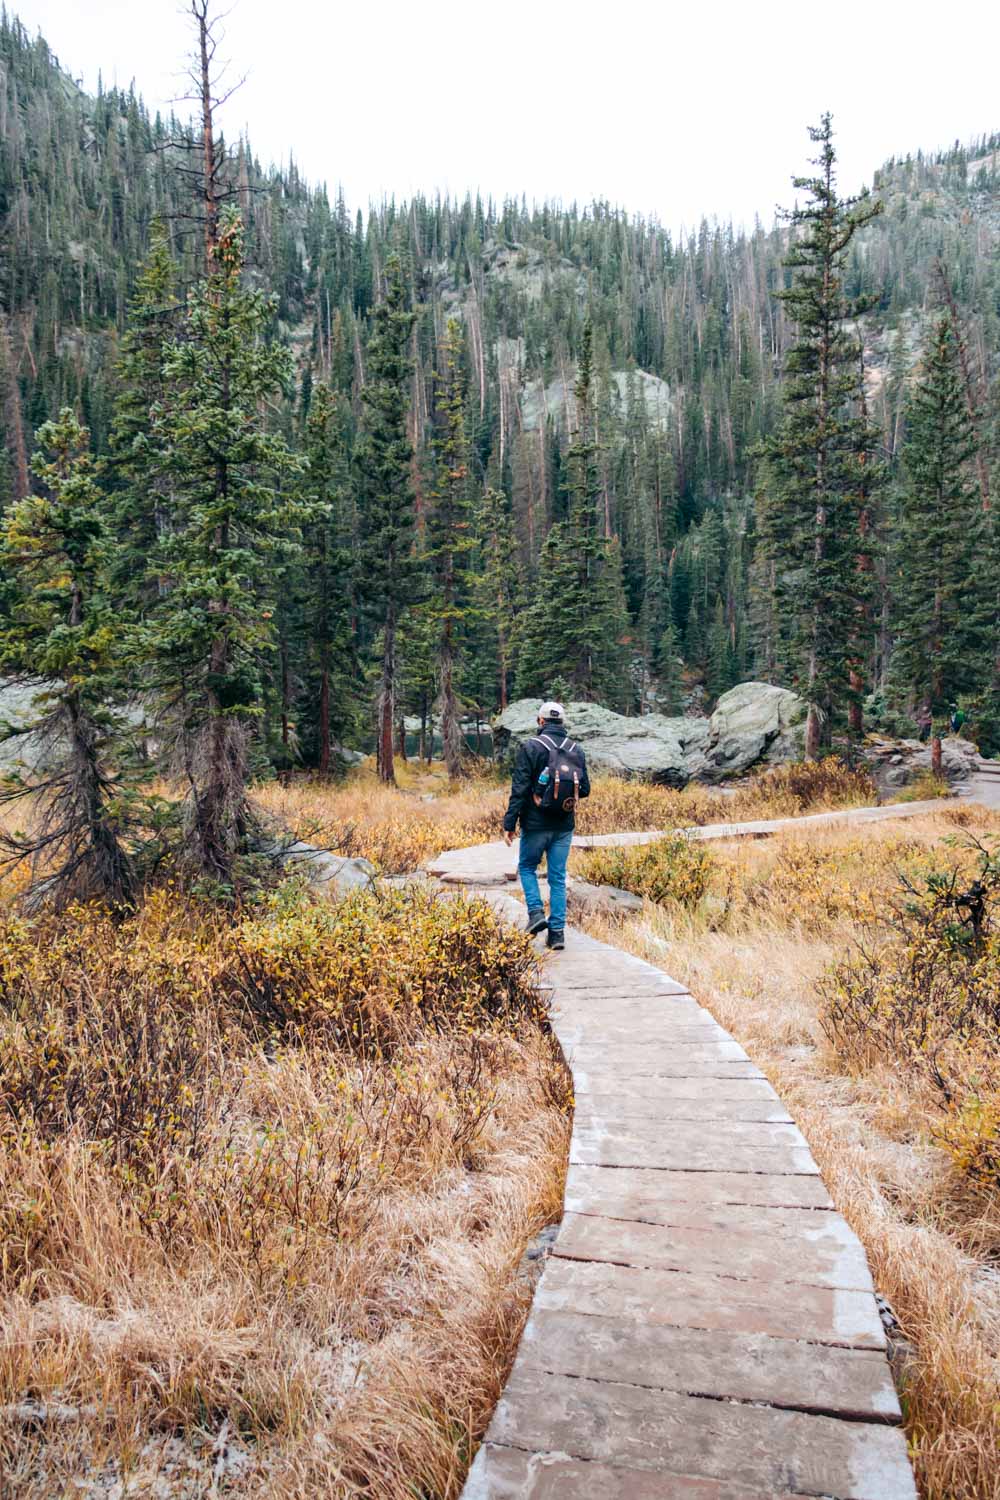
(537, 922)
(556, 939)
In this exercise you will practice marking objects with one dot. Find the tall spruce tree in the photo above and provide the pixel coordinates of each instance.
(576, 629)
(326, 571)
(941, 617)
(500, 595)
(139, 483)
(64, 640)
(385, 456)
(670, 692)
(718, 654)
(451, 541)
(233, 486)
(810, 505)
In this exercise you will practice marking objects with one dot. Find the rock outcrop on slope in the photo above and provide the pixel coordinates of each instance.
(752, 724)
(897, 763)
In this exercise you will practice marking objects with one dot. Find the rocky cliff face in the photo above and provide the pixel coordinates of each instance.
(754, 723)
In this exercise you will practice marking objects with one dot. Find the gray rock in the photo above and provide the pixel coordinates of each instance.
(334, 873)
(752, 724)
(20, 703)
(606, 899)
(652, 747)
(349, 757)
(897, 763)
(556, 401)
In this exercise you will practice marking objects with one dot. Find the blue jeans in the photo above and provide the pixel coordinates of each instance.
(555, 845)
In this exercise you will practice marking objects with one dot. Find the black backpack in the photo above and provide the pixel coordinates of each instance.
(559, 791)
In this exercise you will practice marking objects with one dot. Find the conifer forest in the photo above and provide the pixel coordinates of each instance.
(447, 424)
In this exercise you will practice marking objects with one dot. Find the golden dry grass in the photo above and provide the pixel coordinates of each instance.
(782, 911)
(265, 1249)
(300, 1276)
(399, 830)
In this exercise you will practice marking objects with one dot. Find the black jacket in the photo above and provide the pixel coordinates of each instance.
(532, 758)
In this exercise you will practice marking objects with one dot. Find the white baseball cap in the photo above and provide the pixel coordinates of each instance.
(551, 710)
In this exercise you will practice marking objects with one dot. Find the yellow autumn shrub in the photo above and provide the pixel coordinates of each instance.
(921, 990)
(672, 869)
(370, 970)
(123, 1040)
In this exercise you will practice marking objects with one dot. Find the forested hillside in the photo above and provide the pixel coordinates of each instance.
(585, 441)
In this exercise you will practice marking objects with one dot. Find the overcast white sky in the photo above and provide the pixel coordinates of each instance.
(673, 109)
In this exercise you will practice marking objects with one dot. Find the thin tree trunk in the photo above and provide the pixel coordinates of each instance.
(386, 710)
(936, 755)
(200, 13)
(20, 481)
(969, 385)
(451, 734)
(324, 720)
(110, 868)
(813, 728)
(286, 694)
(502, 653)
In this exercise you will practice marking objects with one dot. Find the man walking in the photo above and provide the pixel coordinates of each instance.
(550, 778)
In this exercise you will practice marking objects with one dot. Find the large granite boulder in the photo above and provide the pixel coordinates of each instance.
(20, 704)
(753, 724)
(652, 747)
(23, 701)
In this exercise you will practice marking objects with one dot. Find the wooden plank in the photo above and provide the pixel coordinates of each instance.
(697, 1299)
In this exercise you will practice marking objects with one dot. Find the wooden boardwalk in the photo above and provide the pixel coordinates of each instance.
(495, 863)
(705, 1325)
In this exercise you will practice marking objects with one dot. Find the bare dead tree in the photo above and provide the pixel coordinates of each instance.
(202, 158)
(970, 383)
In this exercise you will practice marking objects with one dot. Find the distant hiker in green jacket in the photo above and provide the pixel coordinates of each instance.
(958, 719)
(550, 778)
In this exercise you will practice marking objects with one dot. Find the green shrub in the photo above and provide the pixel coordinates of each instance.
(368, 971)
(924, 788)
(672, 869)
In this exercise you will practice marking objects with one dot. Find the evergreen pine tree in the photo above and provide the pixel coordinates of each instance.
(670, 693)
(327, 573)
(64, 640)
(417, 676)
(384, 466)
(499, 592)
(809, 515)
(941, 618)
(451, 542)
(718, 654)
(140, 485)
(232, 486)
(577, 626)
